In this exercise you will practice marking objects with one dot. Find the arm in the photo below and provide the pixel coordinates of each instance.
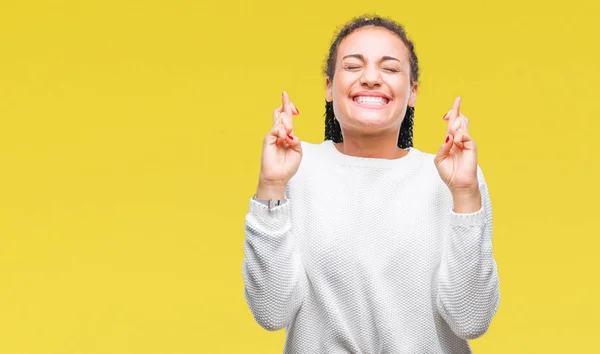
(468, 291)
(274, 278)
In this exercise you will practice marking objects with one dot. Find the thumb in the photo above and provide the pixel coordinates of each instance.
(444, 149)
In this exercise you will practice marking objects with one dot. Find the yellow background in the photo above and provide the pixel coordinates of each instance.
(130, 142)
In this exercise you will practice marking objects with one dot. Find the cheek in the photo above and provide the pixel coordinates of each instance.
(343, 81)
(338, 88)
(400, 87)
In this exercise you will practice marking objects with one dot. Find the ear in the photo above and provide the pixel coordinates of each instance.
(328, 90)
(412, 99)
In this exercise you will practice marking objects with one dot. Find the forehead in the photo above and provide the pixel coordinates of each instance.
(373, 43)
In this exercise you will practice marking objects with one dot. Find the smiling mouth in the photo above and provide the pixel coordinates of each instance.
(375, 101)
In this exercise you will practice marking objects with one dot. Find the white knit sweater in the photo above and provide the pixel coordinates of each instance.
(367, 256)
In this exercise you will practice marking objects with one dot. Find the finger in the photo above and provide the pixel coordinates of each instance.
(462, 136)
(460, 123)
(276, 135)
(446, 116)
(285, 102)
(272, 136)
(466, 137)
(452, 129)
(294, 142)
(287, 123)
(456, 107)
(454, 112)
(444, 149)
(281, 134)
(287, 109)
(276, 114)
(279, 109)
(458, 139)
(463, 123)
(295, 110)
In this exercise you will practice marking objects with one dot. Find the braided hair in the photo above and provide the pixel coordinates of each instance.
(333, 130)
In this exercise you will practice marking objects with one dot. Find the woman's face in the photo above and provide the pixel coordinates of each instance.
(371, 87)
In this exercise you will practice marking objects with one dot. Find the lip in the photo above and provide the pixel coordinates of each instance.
(371, 94)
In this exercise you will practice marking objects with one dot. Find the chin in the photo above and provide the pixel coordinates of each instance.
(372, 119)
(371, 125)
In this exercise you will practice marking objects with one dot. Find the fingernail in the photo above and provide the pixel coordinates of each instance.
(447, 138)
(297, 111)
(291, 137)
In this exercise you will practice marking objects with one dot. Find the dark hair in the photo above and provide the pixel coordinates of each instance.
(332, 126)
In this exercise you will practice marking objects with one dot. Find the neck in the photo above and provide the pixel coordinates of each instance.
(376, 146)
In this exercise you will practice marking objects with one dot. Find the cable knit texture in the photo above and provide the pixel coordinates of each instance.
(366, 255)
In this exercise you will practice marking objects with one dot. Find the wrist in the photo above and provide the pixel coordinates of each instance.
(467, 200)
(274, 191)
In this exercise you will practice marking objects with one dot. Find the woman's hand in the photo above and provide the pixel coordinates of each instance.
(281, 153)
(456, 161)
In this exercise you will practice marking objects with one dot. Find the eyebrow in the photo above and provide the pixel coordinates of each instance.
(361, 57)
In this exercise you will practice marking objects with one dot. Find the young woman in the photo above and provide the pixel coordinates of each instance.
(363, 243)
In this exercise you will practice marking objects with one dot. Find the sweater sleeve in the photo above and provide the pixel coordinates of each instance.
(468, 291)
(274, 279)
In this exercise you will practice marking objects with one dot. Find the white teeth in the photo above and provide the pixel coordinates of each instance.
(371, 100)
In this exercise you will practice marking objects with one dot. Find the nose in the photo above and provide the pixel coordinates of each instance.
(370, 77)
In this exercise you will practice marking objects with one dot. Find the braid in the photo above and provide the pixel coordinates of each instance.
(332, 126)
(405, 140)
(333, 130)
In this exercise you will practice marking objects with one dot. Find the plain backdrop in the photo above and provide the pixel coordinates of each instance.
(130, 141)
